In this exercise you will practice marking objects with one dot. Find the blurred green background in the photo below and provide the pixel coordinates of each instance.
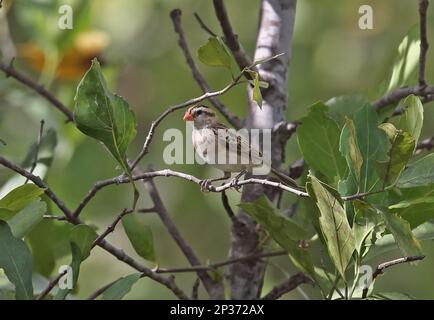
(143, 63)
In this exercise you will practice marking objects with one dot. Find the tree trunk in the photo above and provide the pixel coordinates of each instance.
(275, 32)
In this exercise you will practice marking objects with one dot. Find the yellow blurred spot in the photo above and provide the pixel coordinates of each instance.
(77, 58)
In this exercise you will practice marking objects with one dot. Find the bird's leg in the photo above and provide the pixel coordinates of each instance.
(205, 184)
(234, 181)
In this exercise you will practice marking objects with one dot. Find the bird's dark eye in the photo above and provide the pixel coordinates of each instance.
(198, 112)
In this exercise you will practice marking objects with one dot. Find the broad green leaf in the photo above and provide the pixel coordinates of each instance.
(214, 53)
(353, 154)
(40, 240)
(419, 173)
(400, 152)
(400, 229)
(387, 243)
(342, 107)
(334, 225)
(411, 202)
(318, 138)
(412, 119)
(20, 197)
(285, 232)
(16, 261)
(121, 287)
(367, 226)
(406, 62)
(140, 236)
(256, 91)
(104, 116)
(373, 145)
(26, 219)
(81, 239)
(83, 236)
(264, 214)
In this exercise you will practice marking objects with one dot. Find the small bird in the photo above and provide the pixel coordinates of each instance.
(211, 137)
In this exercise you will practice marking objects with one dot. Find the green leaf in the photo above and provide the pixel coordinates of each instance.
(264, 214)
(372, 143)
(406, 62)
(81, 239)
(20, 197)
(400, 152)
(343, 107)
(367, 226)
(16, 261)
(121, 287)
(400, 229)
(256, 91)
(412, 119)
(140, 236)
(83, 236)
(353, 154)
(318, 138)
(334, 224)
(26, 219)
(214, 53)
(284, 231)
(419, 173)
(104, 116)
(387, 243)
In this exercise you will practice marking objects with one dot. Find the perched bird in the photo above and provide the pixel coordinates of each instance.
(211, 138)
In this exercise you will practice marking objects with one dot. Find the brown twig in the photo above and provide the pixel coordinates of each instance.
(198, 77)
(111, 227)
(38, 145)
(204, 26)
(424, 45)
(385, 265)
(426, 144)
(397, 95)
(227, 205)
(230, 39)
(10, 71)
(224, 263)
(51, 285)
(195, 289)
(101, 290)
(292, 283)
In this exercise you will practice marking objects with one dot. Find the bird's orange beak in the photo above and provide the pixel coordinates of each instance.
(188, 116)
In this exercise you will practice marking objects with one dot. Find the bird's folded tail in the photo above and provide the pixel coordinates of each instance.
(284, 178)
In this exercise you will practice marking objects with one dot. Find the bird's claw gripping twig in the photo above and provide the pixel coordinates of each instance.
(236, 179)
(205, 185)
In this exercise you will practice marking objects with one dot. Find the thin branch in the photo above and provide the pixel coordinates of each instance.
(426, 144)
(423, 7)
(195, 289)
(214, 288)
(227, 205)
(385, 265)
(112, 226)
(51, 217)
(198, 77)
(204, 26)
(397, 95)
(101, 290)
(10, 71)
(38, 145)
(51, 285)
(224, 263)
(118, 253)
(292, 283)
(231, 40)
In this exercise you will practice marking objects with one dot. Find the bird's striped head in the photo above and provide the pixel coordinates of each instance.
(201, 115)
